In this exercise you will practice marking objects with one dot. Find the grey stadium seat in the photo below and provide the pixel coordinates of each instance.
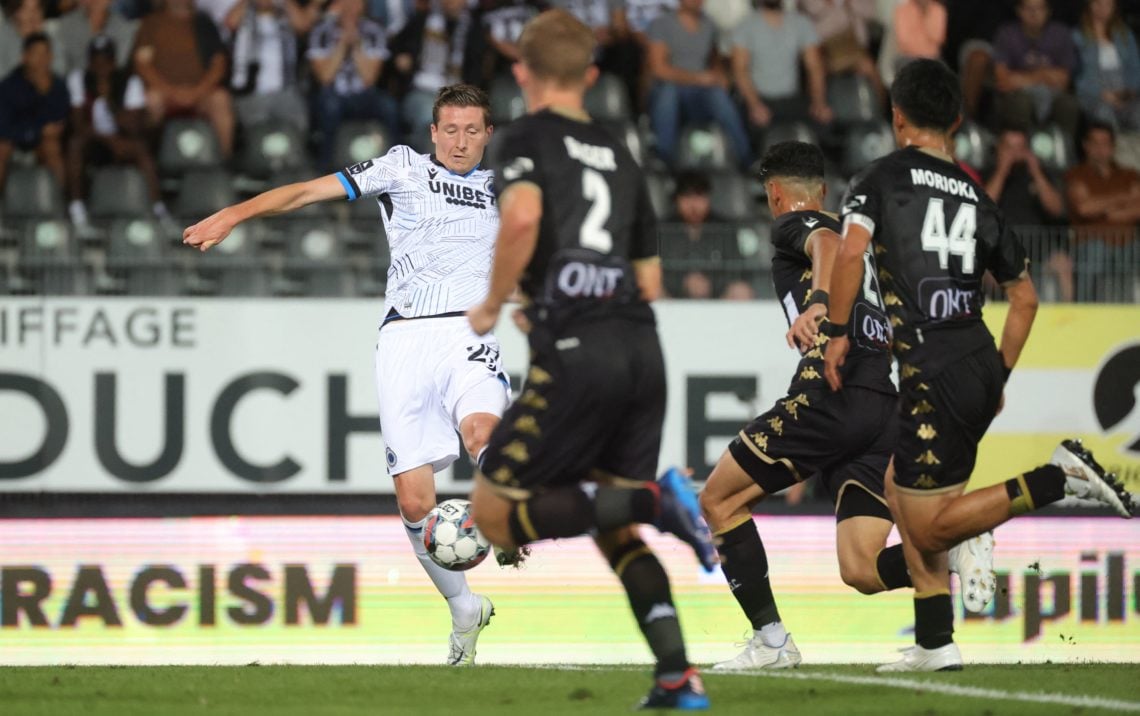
(853, 99)
(730, 196)
(188, 144)
(272, 147)
(865, 143)
(314, 261)
(203, 192)
(49, 258)
(660, 186)
(507, 103)
(788, 132)
(974, 145)
(608, 99)
(1053, 147)
(32, 193)
(359, 141)
(138, 253)
(118, 192)
(704, 146)
(232, 268)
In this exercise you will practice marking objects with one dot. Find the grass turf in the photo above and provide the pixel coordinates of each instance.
(288, 690)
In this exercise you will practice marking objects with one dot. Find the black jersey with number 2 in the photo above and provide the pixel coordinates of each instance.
(868, 363)
(596, 216)
(935, 233)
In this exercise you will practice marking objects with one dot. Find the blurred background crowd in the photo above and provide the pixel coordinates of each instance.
(123, 120)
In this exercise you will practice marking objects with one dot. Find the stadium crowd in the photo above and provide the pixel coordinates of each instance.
(127, 119)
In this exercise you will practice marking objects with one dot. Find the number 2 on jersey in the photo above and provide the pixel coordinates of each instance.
(592, 234)
(959, 242)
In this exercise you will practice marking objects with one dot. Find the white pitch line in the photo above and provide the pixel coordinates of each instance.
(955, 690)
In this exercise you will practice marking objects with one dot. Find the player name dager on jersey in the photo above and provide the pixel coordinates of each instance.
(934, 180)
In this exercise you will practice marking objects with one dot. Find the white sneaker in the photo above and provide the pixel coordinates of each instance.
(758, 655)
(1087, 480)
(916, 658)
(77, 211)
(973, 561)
(462, 643)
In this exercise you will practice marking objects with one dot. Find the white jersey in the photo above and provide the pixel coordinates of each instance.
(441, 229)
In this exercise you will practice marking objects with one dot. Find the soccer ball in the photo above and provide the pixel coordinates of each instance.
(452, 540)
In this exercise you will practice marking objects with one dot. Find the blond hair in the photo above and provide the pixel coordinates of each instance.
(558, 47)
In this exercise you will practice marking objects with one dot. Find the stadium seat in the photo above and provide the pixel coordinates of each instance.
(660, 193)
(974, 145)
(730, 197)
(359, 141)
(788, 132)
(626, 132)
(507, 103)
(704, 146)
(1053, 147)
(232, 268)
(31, 193)
(203, 192)
(314, 261)
(118, 192)
(853, 99)
(608, 99)
(139, 255)
(272, 147)
(49, 258)
(865, 143)
(188, 144)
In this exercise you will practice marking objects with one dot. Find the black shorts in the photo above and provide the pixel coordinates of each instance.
(592, 407)
(942, 420)
(846, 438)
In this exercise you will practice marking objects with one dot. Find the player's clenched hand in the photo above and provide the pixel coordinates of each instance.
(483, 318)
(805, 328)
(208, 232)
(833, 359)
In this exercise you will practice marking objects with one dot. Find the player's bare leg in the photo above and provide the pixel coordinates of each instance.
(415, 494)
(726, 503)
(859, 544)
(647, 585)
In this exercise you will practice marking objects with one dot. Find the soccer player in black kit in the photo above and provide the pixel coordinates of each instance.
(844, 438)
(934, 234)
(577, 452)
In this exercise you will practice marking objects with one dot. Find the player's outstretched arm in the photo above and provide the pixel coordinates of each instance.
(520, 214)
(845, 279)
(215, 228)
(1019, 320)
(822, 246)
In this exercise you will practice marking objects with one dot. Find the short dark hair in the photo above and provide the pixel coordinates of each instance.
(792, 160)
(461, 95)
(928, 94)
(35, 38)
(1095, 125)
(692, 182)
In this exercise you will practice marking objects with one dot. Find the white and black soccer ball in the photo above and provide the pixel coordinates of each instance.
(452, 540)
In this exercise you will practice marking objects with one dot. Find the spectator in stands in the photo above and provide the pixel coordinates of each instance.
(180, 56)
(88, 19)
(264, 75)
(503, 21)
(392, 14)
(767, 48)
(346, 53)
(1104, 205)
(1029, 197)
(33, 109)
(844, 30)
(22, 18)
(970, 29)
(699, 248)
(218, 11)
(639, 15)
(919, 30)
(689, 82)
(617, 53)
(440, 45)
(1108, 81)
(1034, 62)
(107, 122)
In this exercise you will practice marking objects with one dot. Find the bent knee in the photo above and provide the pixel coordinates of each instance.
(415, 507)
(863, 580)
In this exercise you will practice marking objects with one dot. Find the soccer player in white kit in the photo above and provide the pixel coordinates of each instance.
(434, 375)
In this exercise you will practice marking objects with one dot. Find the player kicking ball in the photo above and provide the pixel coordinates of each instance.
(577, 452)
(934, 234)
(434, 376)
(846, 439)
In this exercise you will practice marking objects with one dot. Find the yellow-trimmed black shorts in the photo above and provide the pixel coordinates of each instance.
(845, 437)
(943, 418)
(592, 406)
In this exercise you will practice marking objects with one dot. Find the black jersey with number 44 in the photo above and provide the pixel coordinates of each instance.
(596, 216)
(935, 233)
(868, 363)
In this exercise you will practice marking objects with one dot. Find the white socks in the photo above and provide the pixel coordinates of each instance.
(464, 605)
(773, 634)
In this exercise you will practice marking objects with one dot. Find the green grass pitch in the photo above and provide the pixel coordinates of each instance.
(415, 690)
